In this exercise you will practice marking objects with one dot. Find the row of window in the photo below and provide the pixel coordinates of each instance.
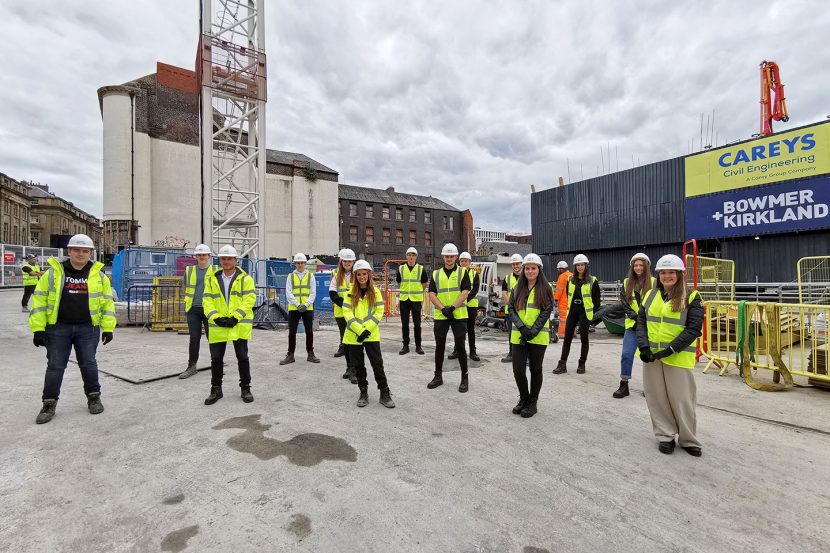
(15, 210)
(387, 236)
(448, 222)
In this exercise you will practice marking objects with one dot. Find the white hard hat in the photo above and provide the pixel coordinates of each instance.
(516, 258)
(346, 254)
(201, 248)
(580, 258)
(465, 255)
(81, 241)
(532, 258)
(562, 265)
(412, 250)
(361, 264)
(31, 256)
(300, 257)
(228, 251)
(670, 262)
(449, 249)
(642, 256)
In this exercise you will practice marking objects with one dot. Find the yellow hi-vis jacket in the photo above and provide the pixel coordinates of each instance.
(358, 318)
(472, 299)
(411, 287)
(28, 279)
(301, 288)
(190, 283)
(511, 281)
(587, 298)
(47, 297)
(529, 315)
(342, 290)
(635, 306)
(449, 289)
(664, 325)
(242, 297)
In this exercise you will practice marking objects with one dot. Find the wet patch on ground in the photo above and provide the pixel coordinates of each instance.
(531, 549)
(300, 526)
(172, 500)
(177, 540)
(437, 434)
(303, 450)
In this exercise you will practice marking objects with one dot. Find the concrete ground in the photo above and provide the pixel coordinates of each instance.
(303, 469)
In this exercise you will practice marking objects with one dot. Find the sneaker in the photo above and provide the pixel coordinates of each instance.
(289, 358)
(190, 371)
(94, 403)
(47, 411)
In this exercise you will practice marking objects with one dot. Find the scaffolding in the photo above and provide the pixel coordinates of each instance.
(232, 76)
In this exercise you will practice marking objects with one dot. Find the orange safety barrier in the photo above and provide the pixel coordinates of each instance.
(391, 295)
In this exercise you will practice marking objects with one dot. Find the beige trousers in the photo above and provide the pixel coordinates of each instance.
(671, 396)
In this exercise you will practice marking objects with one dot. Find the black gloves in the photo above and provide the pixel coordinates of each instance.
(225, 322)
(595, 322)
(40, 339)
(363, 335)
(646, 356)
(526, 333)
(302, 308)
(665, 353)
(338, 301)
(106, 338)
(447, 311)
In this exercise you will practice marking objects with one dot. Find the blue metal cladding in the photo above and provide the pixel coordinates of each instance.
(643, 205)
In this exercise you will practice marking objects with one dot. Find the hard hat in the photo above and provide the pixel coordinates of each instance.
(31, 256)
(532, 258)
(642, 256)
(361, 264)
(465, 255)
(562, 265)
(228, 251)
(81, 241)
(201, 248)
(670, 262)
(412, 250)
(300, 257)
(346, 254)
(516, 258)
(449, 249)
(580, 258)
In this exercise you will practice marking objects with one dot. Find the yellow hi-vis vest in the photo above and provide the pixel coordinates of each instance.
(358, 318)
(528, 315)
(629, 323)
(664, 325)
(241, 296)
(301, 288)
(411, 287)
(472, 299)
(47, 298)
(190, 283)
(511, 280)
(587, 299)
(449, 288)
(342, 290)
(28, 279)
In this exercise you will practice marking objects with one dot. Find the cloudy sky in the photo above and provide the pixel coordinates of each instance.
(470, 101)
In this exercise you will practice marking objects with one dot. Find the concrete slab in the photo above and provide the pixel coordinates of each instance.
(303, 469)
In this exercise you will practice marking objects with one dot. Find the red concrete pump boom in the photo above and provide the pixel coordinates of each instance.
(773, 103)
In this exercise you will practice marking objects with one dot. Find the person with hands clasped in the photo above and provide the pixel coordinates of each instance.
(71, 304)
(637, 285)
(363, 310)
(583, 299)
(300, 292)
(228, 301)
(668, 326)
(531, 303)
(341, 281)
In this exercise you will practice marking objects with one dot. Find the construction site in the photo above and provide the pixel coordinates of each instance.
(301, 468)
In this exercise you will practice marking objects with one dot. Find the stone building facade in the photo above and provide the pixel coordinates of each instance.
(54, 220)
(14, 211)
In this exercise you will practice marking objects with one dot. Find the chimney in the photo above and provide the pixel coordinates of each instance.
(561, 181)
(390, 189)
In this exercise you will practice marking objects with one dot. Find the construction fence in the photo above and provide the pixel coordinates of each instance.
(12, 259)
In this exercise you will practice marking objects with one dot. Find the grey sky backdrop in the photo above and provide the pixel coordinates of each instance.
(470, 101)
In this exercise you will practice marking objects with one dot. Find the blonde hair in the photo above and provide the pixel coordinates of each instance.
(679, 294)
(370, 289)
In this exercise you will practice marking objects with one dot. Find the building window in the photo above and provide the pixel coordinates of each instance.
(35, 238)
(428, 217)
(452, 220)
(35, 201)
(411, 215)
(398, 236)
(387, 233)
(428, 238)
(158, 258)
(370, 211)
(386, 212)
(399, 214)
(370, 234)
(352, 233)
(444, 224)
(352, 209)
(413, 237)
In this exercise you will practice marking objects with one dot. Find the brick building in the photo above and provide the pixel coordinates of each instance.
(14, 211)
(520, 238)
(381, 224)
(53, 220)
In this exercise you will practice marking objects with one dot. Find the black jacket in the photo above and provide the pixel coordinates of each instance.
(693, 330)
(544, 316)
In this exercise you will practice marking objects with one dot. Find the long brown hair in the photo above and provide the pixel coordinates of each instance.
(575, 276)
(542, 295)
(370, 290)
(679, 294)
(341, 273)
(634, 282)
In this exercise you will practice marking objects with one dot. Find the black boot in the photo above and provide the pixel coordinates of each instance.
(418, 349)
(519, 406)
(404, 349)
(341, 351)
(289, 358)
(465, 385)
(386, 398)
(529, 409)
(436, 381)
(363, 400)
(580, 367)
(353, 375)
(93, 401)
(666, 447)
(622, 391)
(693, 450)
(346, 374)
(215, 395)
(474, 356)
(561, 368)
(47, 411)
(247, 397)
(507, 358)
(312, 358)
(190, 371)
(453, 355)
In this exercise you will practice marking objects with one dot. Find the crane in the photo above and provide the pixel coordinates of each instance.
(773, 103)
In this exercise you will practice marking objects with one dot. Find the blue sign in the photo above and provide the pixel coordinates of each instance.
(784, 207)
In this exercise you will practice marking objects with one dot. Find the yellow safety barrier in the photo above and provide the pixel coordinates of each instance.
(814, 280)
(168, 304)
(715, 277)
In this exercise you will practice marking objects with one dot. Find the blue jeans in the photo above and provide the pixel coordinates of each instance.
(628, 350)
(62, 338)
(195, 321)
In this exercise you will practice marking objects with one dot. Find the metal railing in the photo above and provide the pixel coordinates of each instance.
(12, 259)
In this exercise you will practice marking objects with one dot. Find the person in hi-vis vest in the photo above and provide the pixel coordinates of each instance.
(194, 289)
(300, 291)
(466, 260)
(506, 287)
(584, 297)
(560, 295)
(636, 285)
(412, 279)
(31, 273)
(339, 287)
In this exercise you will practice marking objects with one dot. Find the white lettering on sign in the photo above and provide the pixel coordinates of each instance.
(797, 205)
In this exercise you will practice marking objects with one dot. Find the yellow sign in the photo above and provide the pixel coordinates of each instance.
(786, 156)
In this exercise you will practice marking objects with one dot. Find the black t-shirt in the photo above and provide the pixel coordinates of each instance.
(465, 283)
(74, 306)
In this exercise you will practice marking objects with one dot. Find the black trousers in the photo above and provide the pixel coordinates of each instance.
(217, 354)
(509, 325)
(355, 354)
(27, 293)
(293, 322)
(414, 307)
(196, 320)
(576, 316)
(472, 312)
(536, 354)
(341, 326)
(459, 329)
